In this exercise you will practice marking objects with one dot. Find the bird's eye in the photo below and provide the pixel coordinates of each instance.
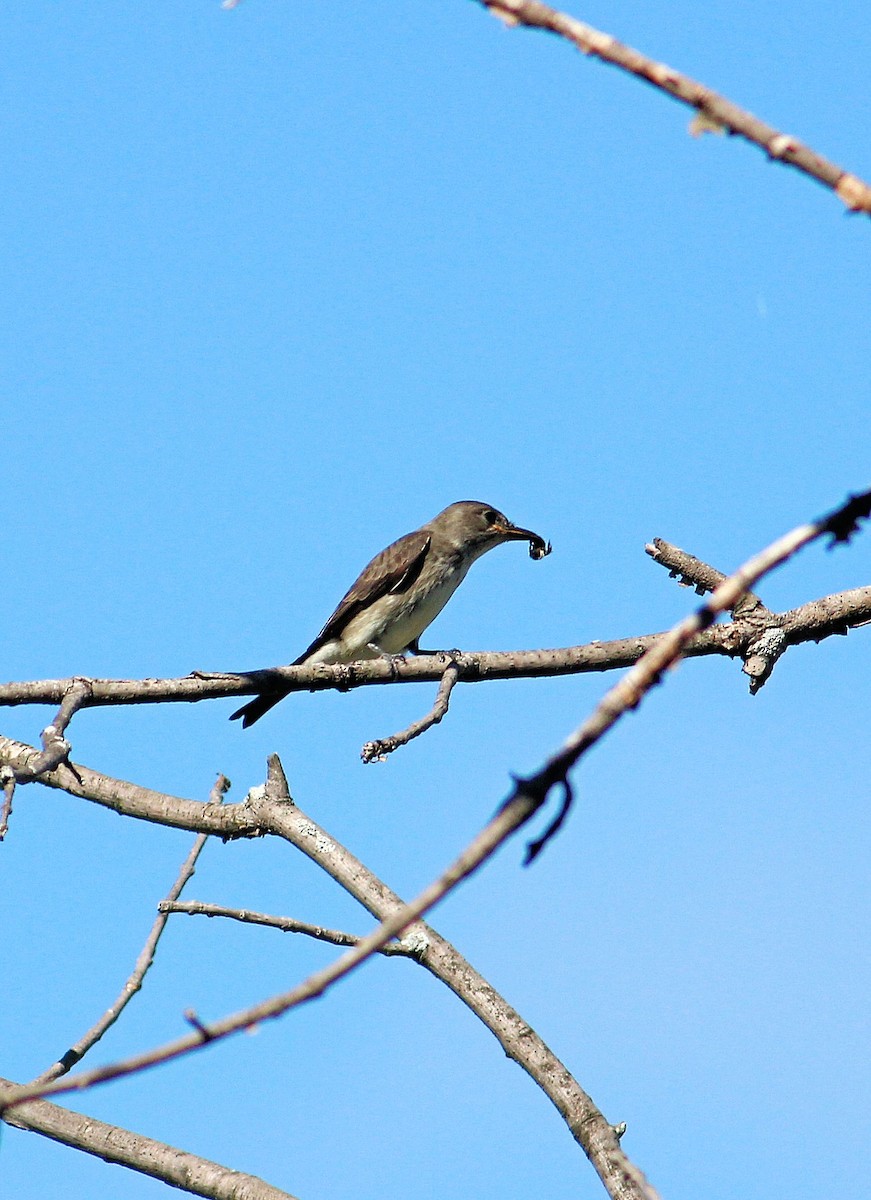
(491, 516)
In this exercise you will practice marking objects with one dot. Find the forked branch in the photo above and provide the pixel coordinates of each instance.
(526, 799)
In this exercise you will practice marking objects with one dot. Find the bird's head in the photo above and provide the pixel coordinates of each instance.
(476, 527)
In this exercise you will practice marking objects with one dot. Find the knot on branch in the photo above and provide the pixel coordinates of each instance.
(761, 656)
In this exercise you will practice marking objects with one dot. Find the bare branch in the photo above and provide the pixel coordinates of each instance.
(528, 796)
(715, 112)
(854, 609)
(76, 696)
(336, 937)
(594, 1134)
(692, 572)
(198, 1176)
(55, 749)
(762, 652)
(835, 614)
(840, 524)
(379, 750)
(225, 820)
(814, 621)
(134, 983)
(275, 806)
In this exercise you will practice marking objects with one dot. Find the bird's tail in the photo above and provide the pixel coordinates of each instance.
(255, 709)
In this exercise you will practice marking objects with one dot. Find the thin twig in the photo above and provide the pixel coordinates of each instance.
(336, 937)
(134, 982)
(379, 749)
(716, 113)
(193, 1019)
(75, 697)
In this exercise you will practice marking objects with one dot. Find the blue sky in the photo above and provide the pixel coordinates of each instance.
(279, 284)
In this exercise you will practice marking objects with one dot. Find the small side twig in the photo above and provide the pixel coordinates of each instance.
(767, 640)
(134, 982)
(693, 572)
(55, 750)
(192, 1018)
(336, 937)
(75, 697)
(761, 656)
(219, 790)
(378, 750)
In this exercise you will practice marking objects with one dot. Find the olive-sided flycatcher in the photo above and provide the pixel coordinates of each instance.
(403, 590)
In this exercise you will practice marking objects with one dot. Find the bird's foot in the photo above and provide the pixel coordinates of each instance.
(386, 656)
(449, 654)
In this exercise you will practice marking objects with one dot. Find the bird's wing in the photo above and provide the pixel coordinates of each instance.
(391, 572)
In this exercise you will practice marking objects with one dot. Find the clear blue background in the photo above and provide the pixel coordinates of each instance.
(279, 284)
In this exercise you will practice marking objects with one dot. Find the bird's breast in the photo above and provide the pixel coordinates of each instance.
(393, 622)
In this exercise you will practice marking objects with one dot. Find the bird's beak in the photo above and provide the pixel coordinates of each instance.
(538, 547)
(515, 533)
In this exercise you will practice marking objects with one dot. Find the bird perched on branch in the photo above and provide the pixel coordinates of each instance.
(403, 590)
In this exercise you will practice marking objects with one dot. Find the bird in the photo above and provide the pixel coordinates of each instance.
(403, 589)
